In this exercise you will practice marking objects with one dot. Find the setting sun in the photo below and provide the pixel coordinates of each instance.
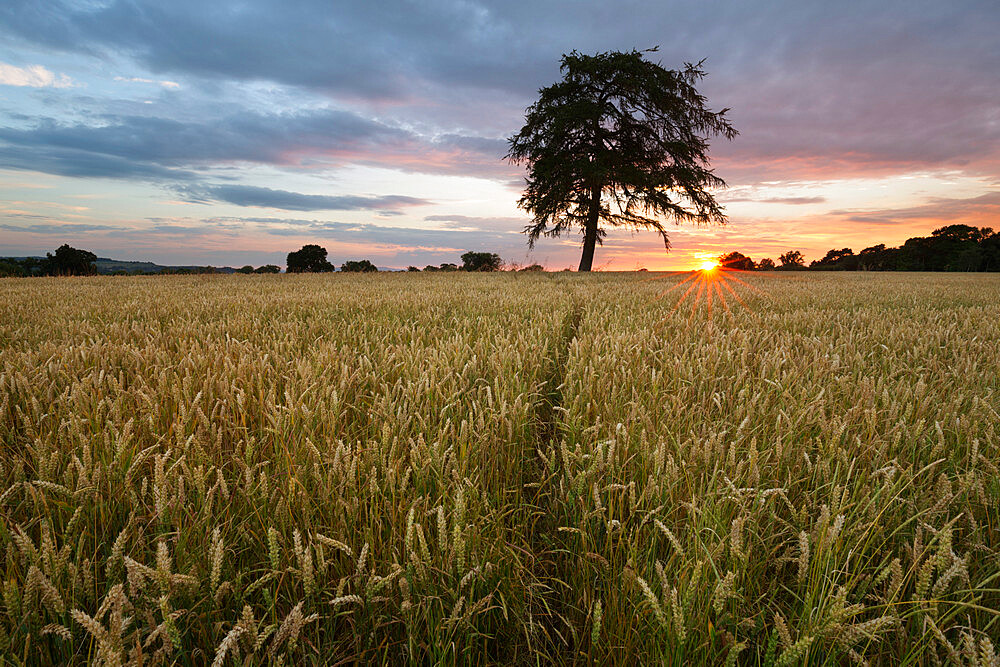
(708, 265)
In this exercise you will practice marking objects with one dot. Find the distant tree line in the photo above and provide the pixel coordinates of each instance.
(70, 261)
(951, 248)
(66, 261)
(312, 259)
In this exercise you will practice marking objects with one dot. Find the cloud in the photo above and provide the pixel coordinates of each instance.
(398, 237)
(32, 76)
(58, 229)
(813, 89)
(139, 79)
(246, 195)
(152, 148)
(76, 162)
(980, 211)
(433, 87)
(818, 95)
(469, 223)
(778, 200)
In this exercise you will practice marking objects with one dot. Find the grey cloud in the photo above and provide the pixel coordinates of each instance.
(778, 200)
(873, 219)
(822, 89)
(59, 228)
(414, 237)
(154, 148)
(478, 223)
(18, 152)
(246, 195)
(981, 211)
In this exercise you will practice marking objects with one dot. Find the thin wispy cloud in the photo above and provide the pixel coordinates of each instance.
(138, 79)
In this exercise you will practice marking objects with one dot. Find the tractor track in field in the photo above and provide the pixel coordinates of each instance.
(547, 607)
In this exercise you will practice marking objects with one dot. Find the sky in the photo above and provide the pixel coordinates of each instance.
(232, 132)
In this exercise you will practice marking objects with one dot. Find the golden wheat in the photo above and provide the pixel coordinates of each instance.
(499, 469)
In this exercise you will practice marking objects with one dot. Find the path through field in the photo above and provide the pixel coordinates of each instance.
(500, 468)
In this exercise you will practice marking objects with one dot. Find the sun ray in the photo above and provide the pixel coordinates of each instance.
(685, 295)
(722, 298)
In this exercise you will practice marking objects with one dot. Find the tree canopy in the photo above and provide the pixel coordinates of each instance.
(619, 140)
(358, 266)
(69, 261)
(792, 259)
(481, 261)
(309, 259)
(949, 248)
(737, 261)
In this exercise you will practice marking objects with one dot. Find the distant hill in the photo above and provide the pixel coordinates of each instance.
(105, 265)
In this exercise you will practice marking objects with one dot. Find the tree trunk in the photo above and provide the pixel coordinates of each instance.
(590, 231)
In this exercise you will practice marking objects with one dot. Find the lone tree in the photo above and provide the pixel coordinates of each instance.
(618, 130)
(69, 261)
(309, 259)
(481, 261)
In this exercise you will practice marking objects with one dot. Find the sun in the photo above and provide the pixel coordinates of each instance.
(708, 265)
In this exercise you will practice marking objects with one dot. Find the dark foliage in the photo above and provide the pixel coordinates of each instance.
(619, 140)
(309, 259)
(837, 260)
(951, 248)
(736, 260)
(359, 266)
(245, 269)
(188, 270)
(268, 268)
(12, 268)
(766, 264)
(481, 261)
(69, 261)
(791, 260)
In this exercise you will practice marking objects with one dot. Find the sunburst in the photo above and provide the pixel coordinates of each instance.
(711, 282)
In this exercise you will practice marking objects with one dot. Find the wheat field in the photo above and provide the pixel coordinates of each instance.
(500, 469)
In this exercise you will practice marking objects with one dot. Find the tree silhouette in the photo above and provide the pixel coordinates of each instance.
(736, 260)
(792, 259)
(362, 266)
(766, 264)
(618, 130)
(309, 259)
(68, 261)
(991, 250)
(268, 268)
(837, 260)
(481, 261)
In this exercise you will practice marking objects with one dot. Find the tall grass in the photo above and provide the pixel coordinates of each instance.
(499, 469)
